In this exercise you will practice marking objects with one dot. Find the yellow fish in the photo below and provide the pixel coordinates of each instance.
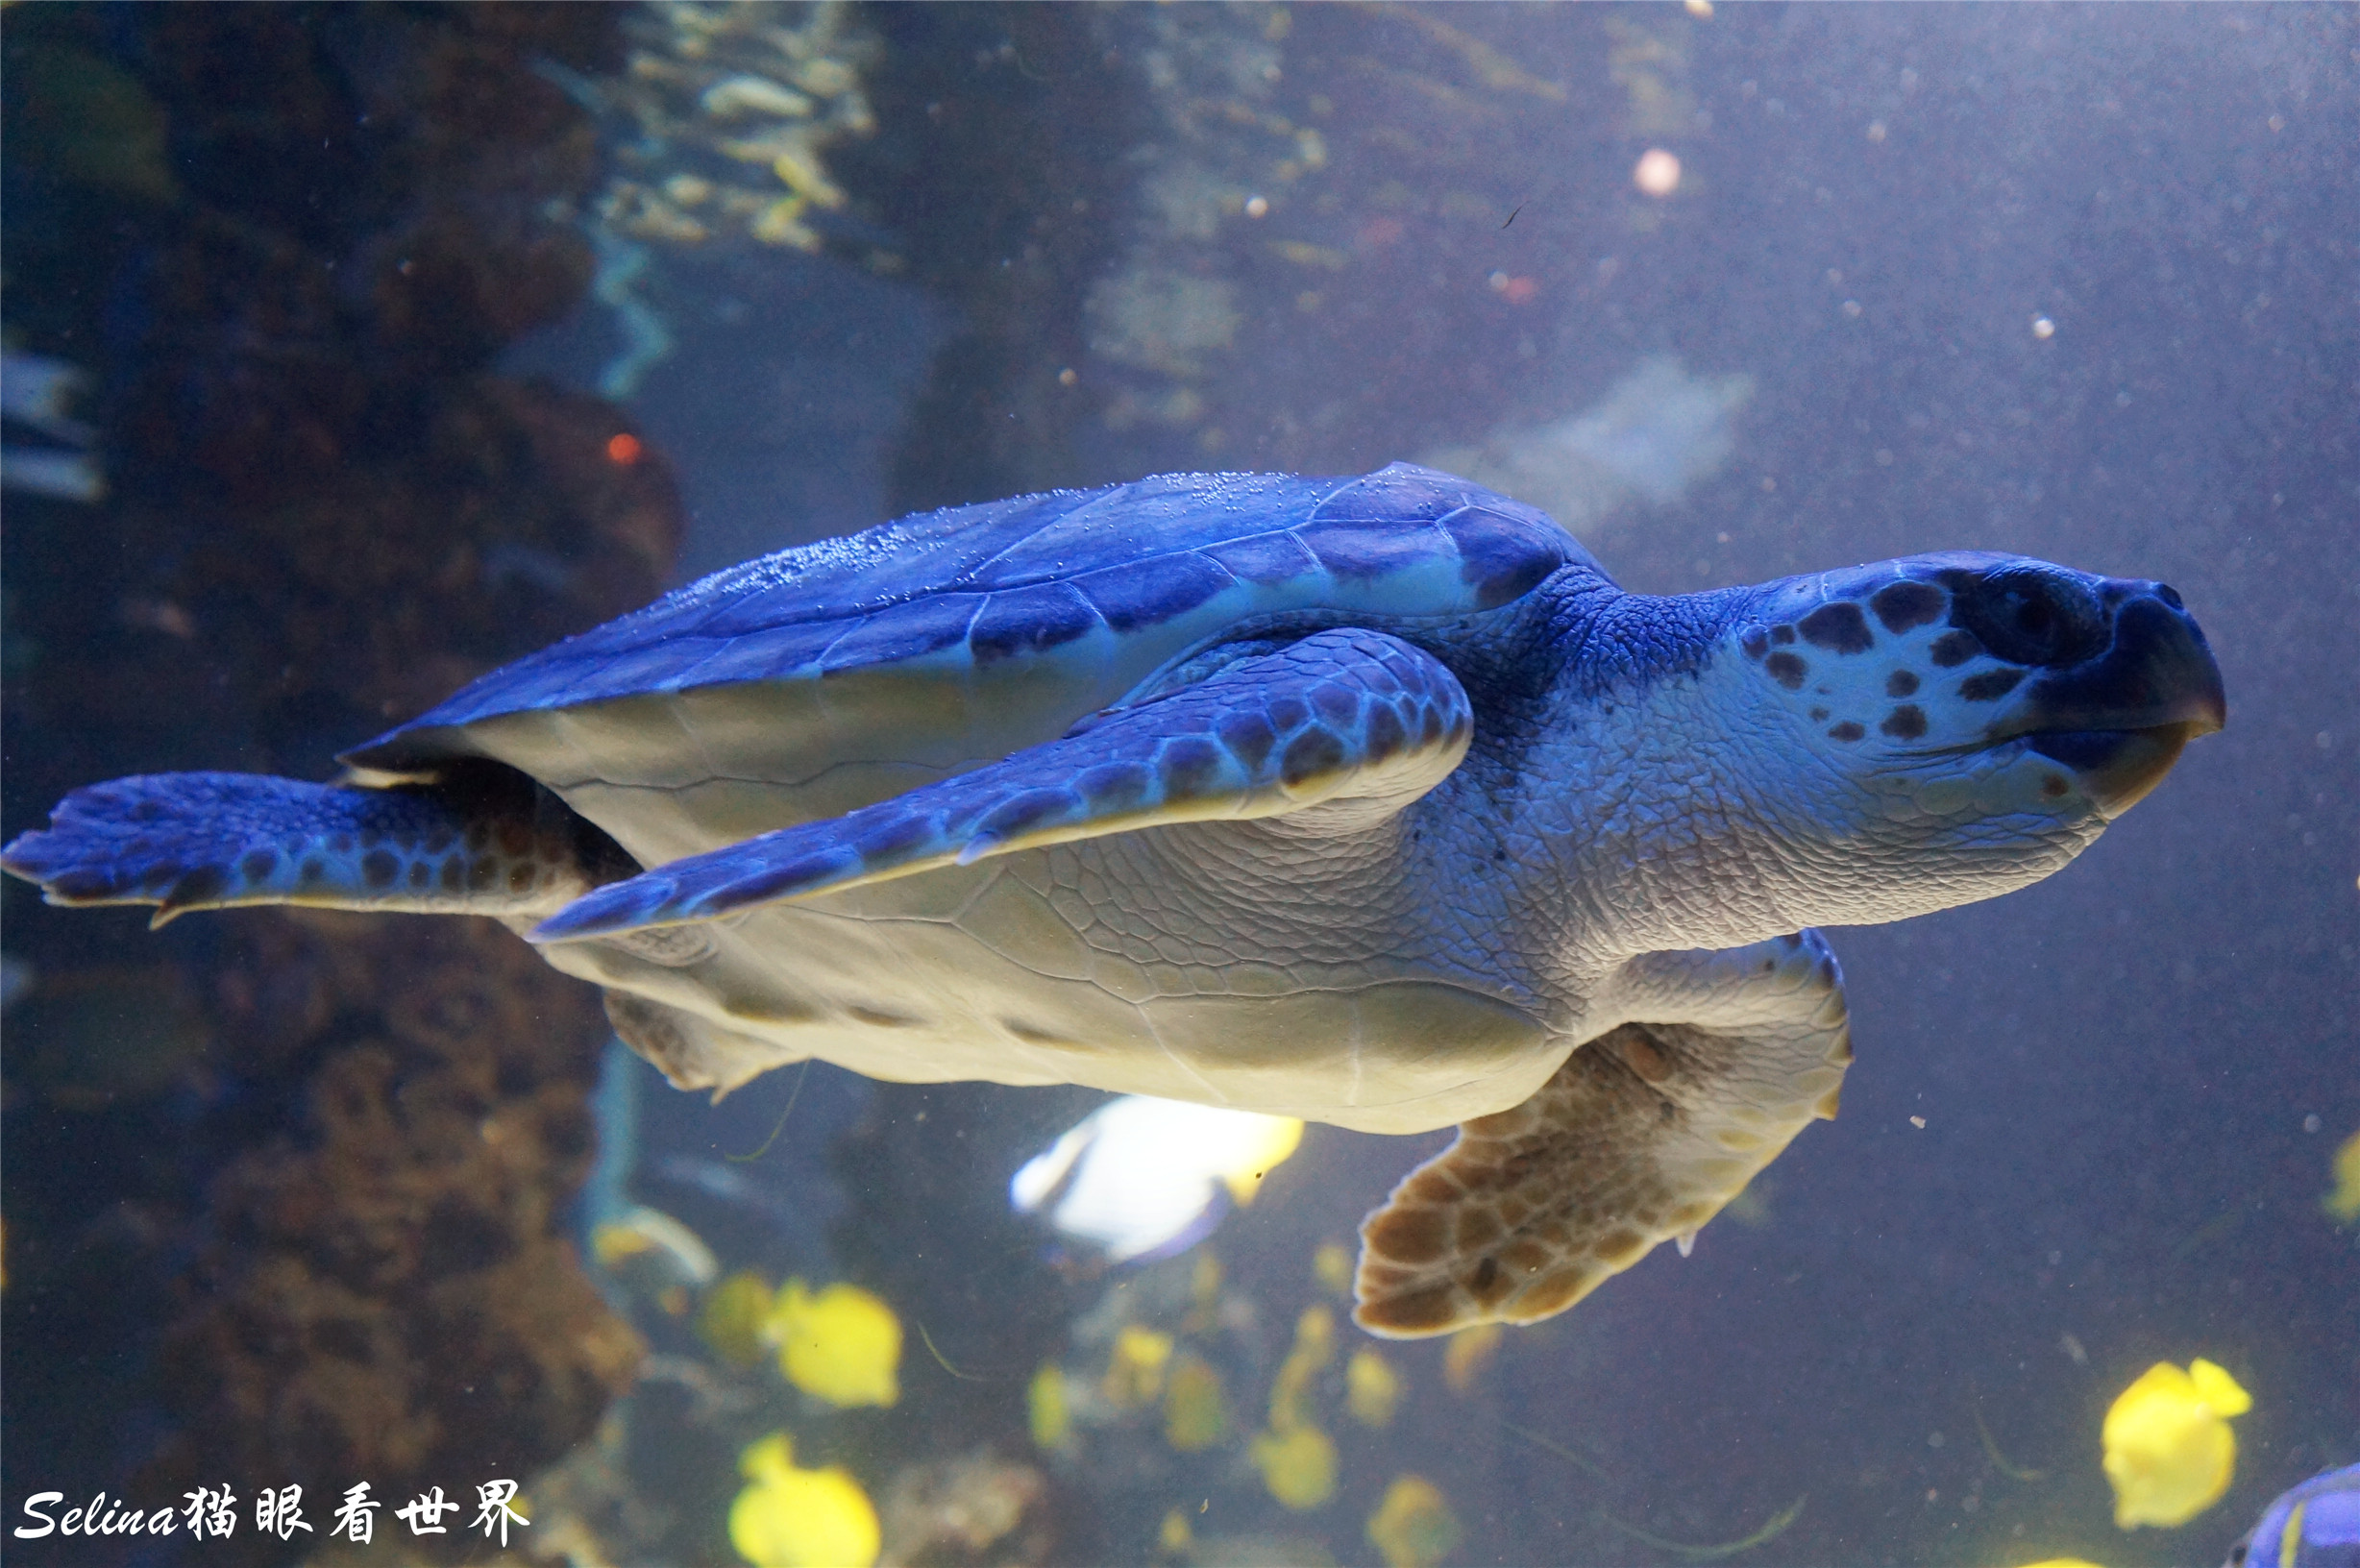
(1414, 1527)
(793, 1518)
(1372, 1390)
(1332, 1267)
(1468, 1351)
(1195, 1412)
(2343, 1203)
(1047, 1409)
(2169, 1450)
(736, 1317)
(1298, 1465)
(843, 1345)
(1134, 1370)
(1315, 1343)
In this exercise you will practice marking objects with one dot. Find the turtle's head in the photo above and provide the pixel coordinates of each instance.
(1985, 715)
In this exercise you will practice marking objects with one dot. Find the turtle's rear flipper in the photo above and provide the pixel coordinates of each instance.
(1640, 1138)
(485, 842)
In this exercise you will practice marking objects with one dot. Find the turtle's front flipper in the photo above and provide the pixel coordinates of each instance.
(486, 842)
(1332, 730)
(1641, 1137)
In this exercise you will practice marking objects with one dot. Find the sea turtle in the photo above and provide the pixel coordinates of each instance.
(1372, 801)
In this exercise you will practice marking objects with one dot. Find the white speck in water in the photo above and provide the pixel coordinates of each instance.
(1658, 172)
(1918, 1121)
(2043, 326)
(2311, 1123)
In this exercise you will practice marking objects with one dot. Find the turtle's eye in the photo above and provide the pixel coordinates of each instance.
(2032, 617)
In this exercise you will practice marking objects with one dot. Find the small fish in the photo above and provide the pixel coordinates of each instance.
(1195, 1408)
(1134, 1367)
(1414, 1527)
(1297, 1465)
(650, 1250)
(2168, 1451)
(1141, 1178)
(2342, 1200)
(2316, 1525)
(1371, 1388)
(36, 390)
(35, 393)
(788, 1517)
(735, 1319)
(841, 1344)
(1468, 1351)
(1049, 1409)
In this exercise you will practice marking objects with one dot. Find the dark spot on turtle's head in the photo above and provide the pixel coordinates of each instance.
(1781, 635)
(2170, 596)
(1786, 670)
(520, 876)
(2032, 614)
(378, 868)
(1845, 731)
(1755, 641)
(1902, 606)
(315, 871)
(1840, 627)
(1953, 648)
(1905, 722)
(1901, 683)
(259, 864)
(454, 876)
(1487, 1273)
(1990, 684)
(1819, 715)
(2054, 785)
(420, 875)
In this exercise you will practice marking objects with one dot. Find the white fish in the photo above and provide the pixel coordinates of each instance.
(1140, 1176)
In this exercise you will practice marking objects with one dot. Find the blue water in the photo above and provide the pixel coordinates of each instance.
(2077, 282)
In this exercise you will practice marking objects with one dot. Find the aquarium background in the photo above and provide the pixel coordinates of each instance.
(405, 339)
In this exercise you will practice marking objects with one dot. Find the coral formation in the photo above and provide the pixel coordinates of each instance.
(386, 1292)
(732, 109)
(324, 1201)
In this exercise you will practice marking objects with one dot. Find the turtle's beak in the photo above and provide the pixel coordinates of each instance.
(2119, 720)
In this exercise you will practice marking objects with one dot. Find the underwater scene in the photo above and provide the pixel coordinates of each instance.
(1484, 596)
